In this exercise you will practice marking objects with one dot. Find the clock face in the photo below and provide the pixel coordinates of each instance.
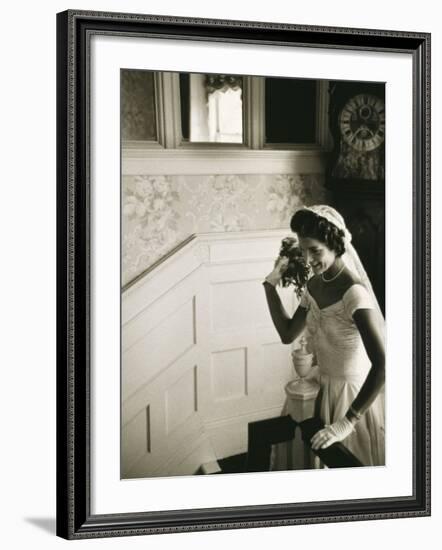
(362, 122)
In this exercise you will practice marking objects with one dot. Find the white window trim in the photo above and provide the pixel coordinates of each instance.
(171, 156)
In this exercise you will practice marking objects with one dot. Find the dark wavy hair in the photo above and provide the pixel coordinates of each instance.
(306, 223)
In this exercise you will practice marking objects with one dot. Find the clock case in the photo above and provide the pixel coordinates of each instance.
(360, 199)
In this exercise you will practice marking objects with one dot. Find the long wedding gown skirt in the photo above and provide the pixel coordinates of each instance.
(343, 367)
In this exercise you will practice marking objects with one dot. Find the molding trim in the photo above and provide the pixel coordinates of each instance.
(203, 242)
(181, 162)
(323, 133)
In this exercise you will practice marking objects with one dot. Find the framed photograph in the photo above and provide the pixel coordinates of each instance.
(243, 274)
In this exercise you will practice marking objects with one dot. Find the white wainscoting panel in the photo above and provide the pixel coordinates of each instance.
(181, 400)
(238, 305)
(136, 437)
(229, 375)
(160, 347)
(200, 356)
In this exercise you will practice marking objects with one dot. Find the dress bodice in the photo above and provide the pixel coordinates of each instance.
(334, 337)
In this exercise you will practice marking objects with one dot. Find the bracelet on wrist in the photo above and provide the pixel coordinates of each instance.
(354, 414)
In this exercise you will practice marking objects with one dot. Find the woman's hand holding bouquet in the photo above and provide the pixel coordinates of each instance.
(290, 267)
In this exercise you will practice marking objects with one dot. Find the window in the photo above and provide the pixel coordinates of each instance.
(211, 108)
(290, 111)
(194, 110)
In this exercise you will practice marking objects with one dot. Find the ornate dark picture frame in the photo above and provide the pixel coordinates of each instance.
(74, 517)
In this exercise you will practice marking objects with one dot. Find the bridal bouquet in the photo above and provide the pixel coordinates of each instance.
(297, 272)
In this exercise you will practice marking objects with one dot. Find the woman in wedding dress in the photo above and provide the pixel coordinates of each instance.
(340, 316)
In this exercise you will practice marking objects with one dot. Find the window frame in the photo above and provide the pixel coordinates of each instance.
(174, 156)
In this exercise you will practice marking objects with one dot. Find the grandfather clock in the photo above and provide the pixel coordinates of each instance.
(356, 170)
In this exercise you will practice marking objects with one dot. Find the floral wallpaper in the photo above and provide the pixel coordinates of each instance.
(160, 212)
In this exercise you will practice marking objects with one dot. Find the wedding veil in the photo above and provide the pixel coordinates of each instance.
(350, 257)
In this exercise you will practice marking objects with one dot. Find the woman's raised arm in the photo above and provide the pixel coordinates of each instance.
(288, 328)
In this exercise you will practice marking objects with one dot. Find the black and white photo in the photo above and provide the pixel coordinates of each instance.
(218, 169)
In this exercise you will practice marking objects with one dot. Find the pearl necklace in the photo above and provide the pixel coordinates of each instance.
(333, 278)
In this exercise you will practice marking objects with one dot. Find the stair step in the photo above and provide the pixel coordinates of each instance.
(230, 465)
